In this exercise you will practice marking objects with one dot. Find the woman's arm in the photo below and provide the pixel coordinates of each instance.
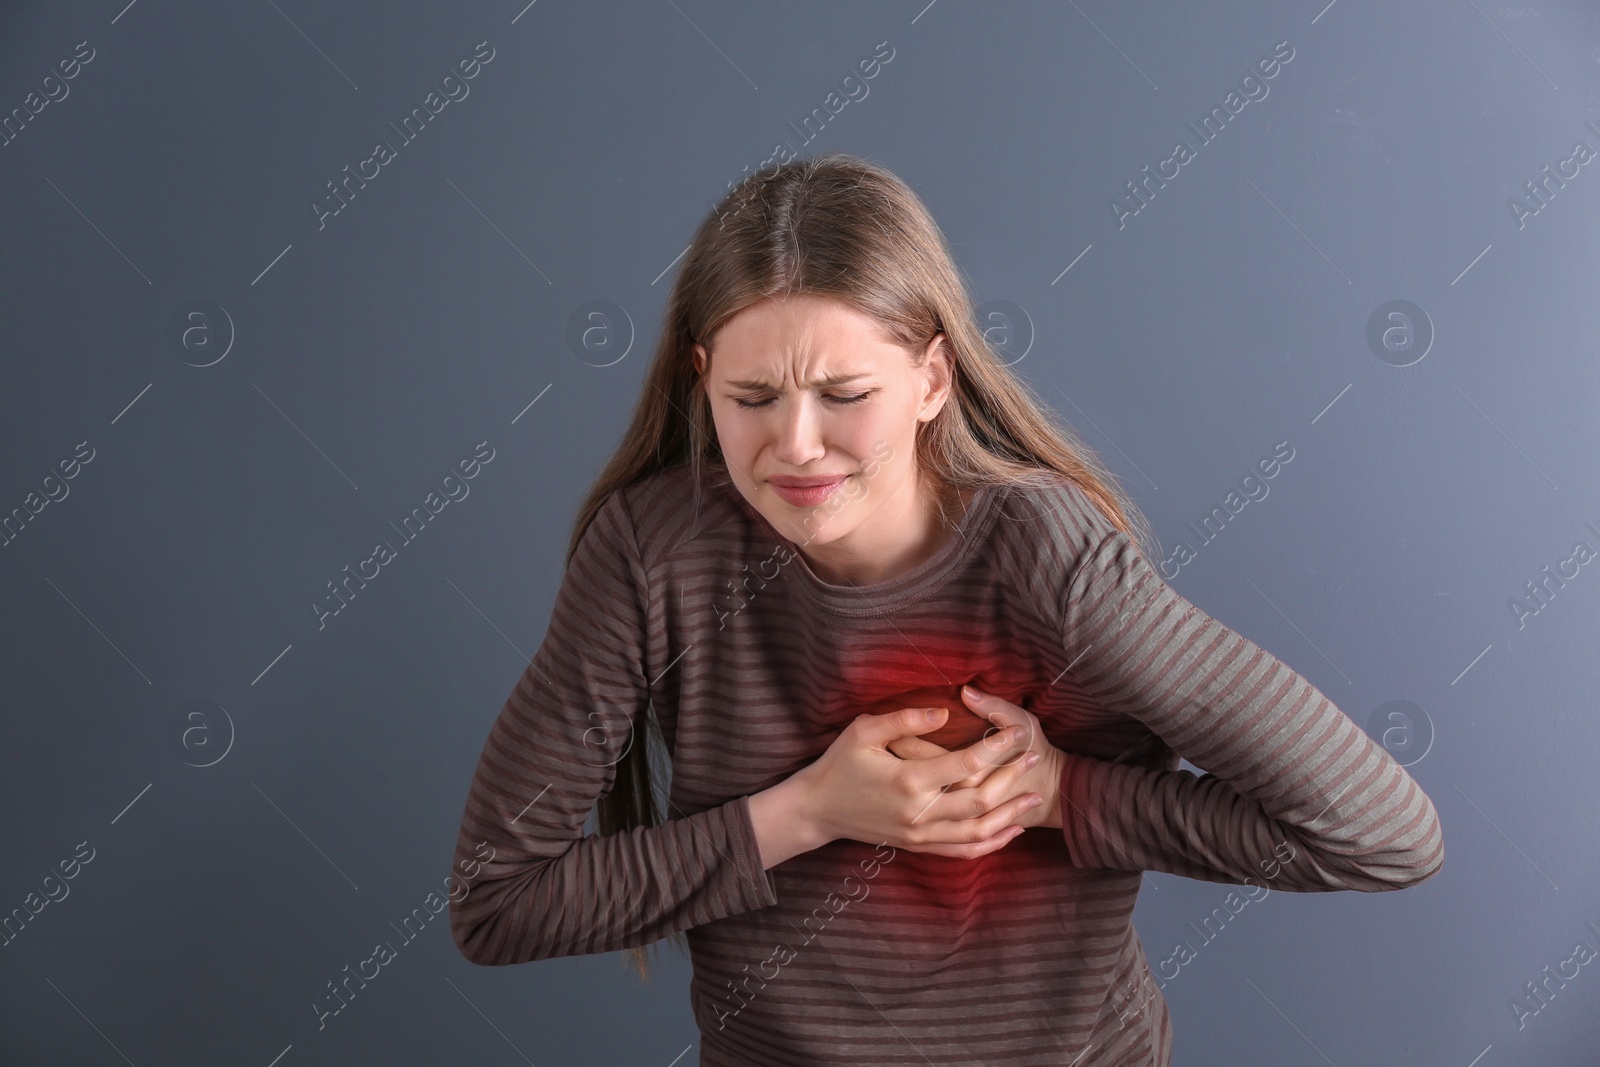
(783, 827)
(1296, 792)
(534, 886)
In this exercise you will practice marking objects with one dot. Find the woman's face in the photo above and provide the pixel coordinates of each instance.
(780, 421)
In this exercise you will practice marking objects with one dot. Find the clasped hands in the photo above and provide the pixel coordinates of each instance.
(881, 781)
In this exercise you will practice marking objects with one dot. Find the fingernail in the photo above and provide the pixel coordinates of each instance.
(970, 693)
(1032, 758)
(932, 714)
(1035, 802)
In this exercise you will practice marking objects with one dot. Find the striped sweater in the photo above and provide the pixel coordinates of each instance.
(856, 953)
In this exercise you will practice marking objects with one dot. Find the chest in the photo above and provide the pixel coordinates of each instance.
(747, 702)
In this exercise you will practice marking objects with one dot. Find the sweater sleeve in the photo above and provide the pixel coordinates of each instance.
(527, 883)
(1296, 793)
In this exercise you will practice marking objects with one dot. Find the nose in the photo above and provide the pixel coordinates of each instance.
(800, 432)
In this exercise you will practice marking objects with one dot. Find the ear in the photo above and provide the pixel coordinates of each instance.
(700, 358)
(936, 366)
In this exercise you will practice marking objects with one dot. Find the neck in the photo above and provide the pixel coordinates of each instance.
(904, 532)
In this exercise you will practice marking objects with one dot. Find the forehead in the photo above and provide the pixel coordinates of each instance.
(805, 336)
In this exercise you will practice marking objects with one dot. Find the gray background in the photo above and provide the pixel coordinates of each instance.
(368, 357)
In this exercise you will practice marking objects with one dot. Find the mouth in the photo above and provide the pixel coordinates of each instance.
(807, 492)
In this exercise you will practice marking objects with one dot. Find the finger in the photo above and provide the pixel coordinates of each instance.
(1008, 762)
(980, 830)
(1001, 711)
(982, 800)
(1011, 715)
(994, 748)
(973, 851)
(907, 722)
(974, 761)
(944, 771)
(963, 803)
(919, 748)
(1002, 783)
(916, 748)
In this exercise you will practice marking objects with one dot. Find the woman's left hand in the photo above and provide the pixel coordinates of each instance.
(1043, 778)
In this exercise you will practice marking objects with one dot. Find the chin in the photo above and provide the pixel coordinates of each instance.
(818, 533)
(816, 525)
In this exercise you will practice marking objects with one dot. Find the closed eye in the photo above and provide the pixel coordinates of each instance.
(856, 399)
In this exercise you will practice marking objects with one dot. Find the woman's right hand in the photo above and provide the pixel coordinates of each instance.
(860, 790)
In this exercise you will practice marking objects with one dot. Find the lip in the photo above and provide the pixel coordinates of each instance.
(807, 492)
(807, 482)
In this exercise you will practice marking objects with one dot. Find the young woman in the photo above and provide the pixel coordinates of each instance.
(835, 508)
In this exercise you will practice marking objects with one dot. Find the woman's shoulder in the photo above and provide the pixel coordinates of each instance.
(674, 512)
(1051, 506)
(1047, 524)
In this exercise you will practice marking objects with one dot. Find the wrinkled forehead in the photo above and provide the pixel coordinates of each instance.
(801, 344)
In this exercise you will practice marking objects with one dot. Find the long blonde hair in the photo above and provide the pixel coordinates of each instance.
(843, 227)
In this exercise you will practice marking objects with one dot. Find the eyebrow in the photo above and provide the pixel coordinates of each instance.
(836, 379)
